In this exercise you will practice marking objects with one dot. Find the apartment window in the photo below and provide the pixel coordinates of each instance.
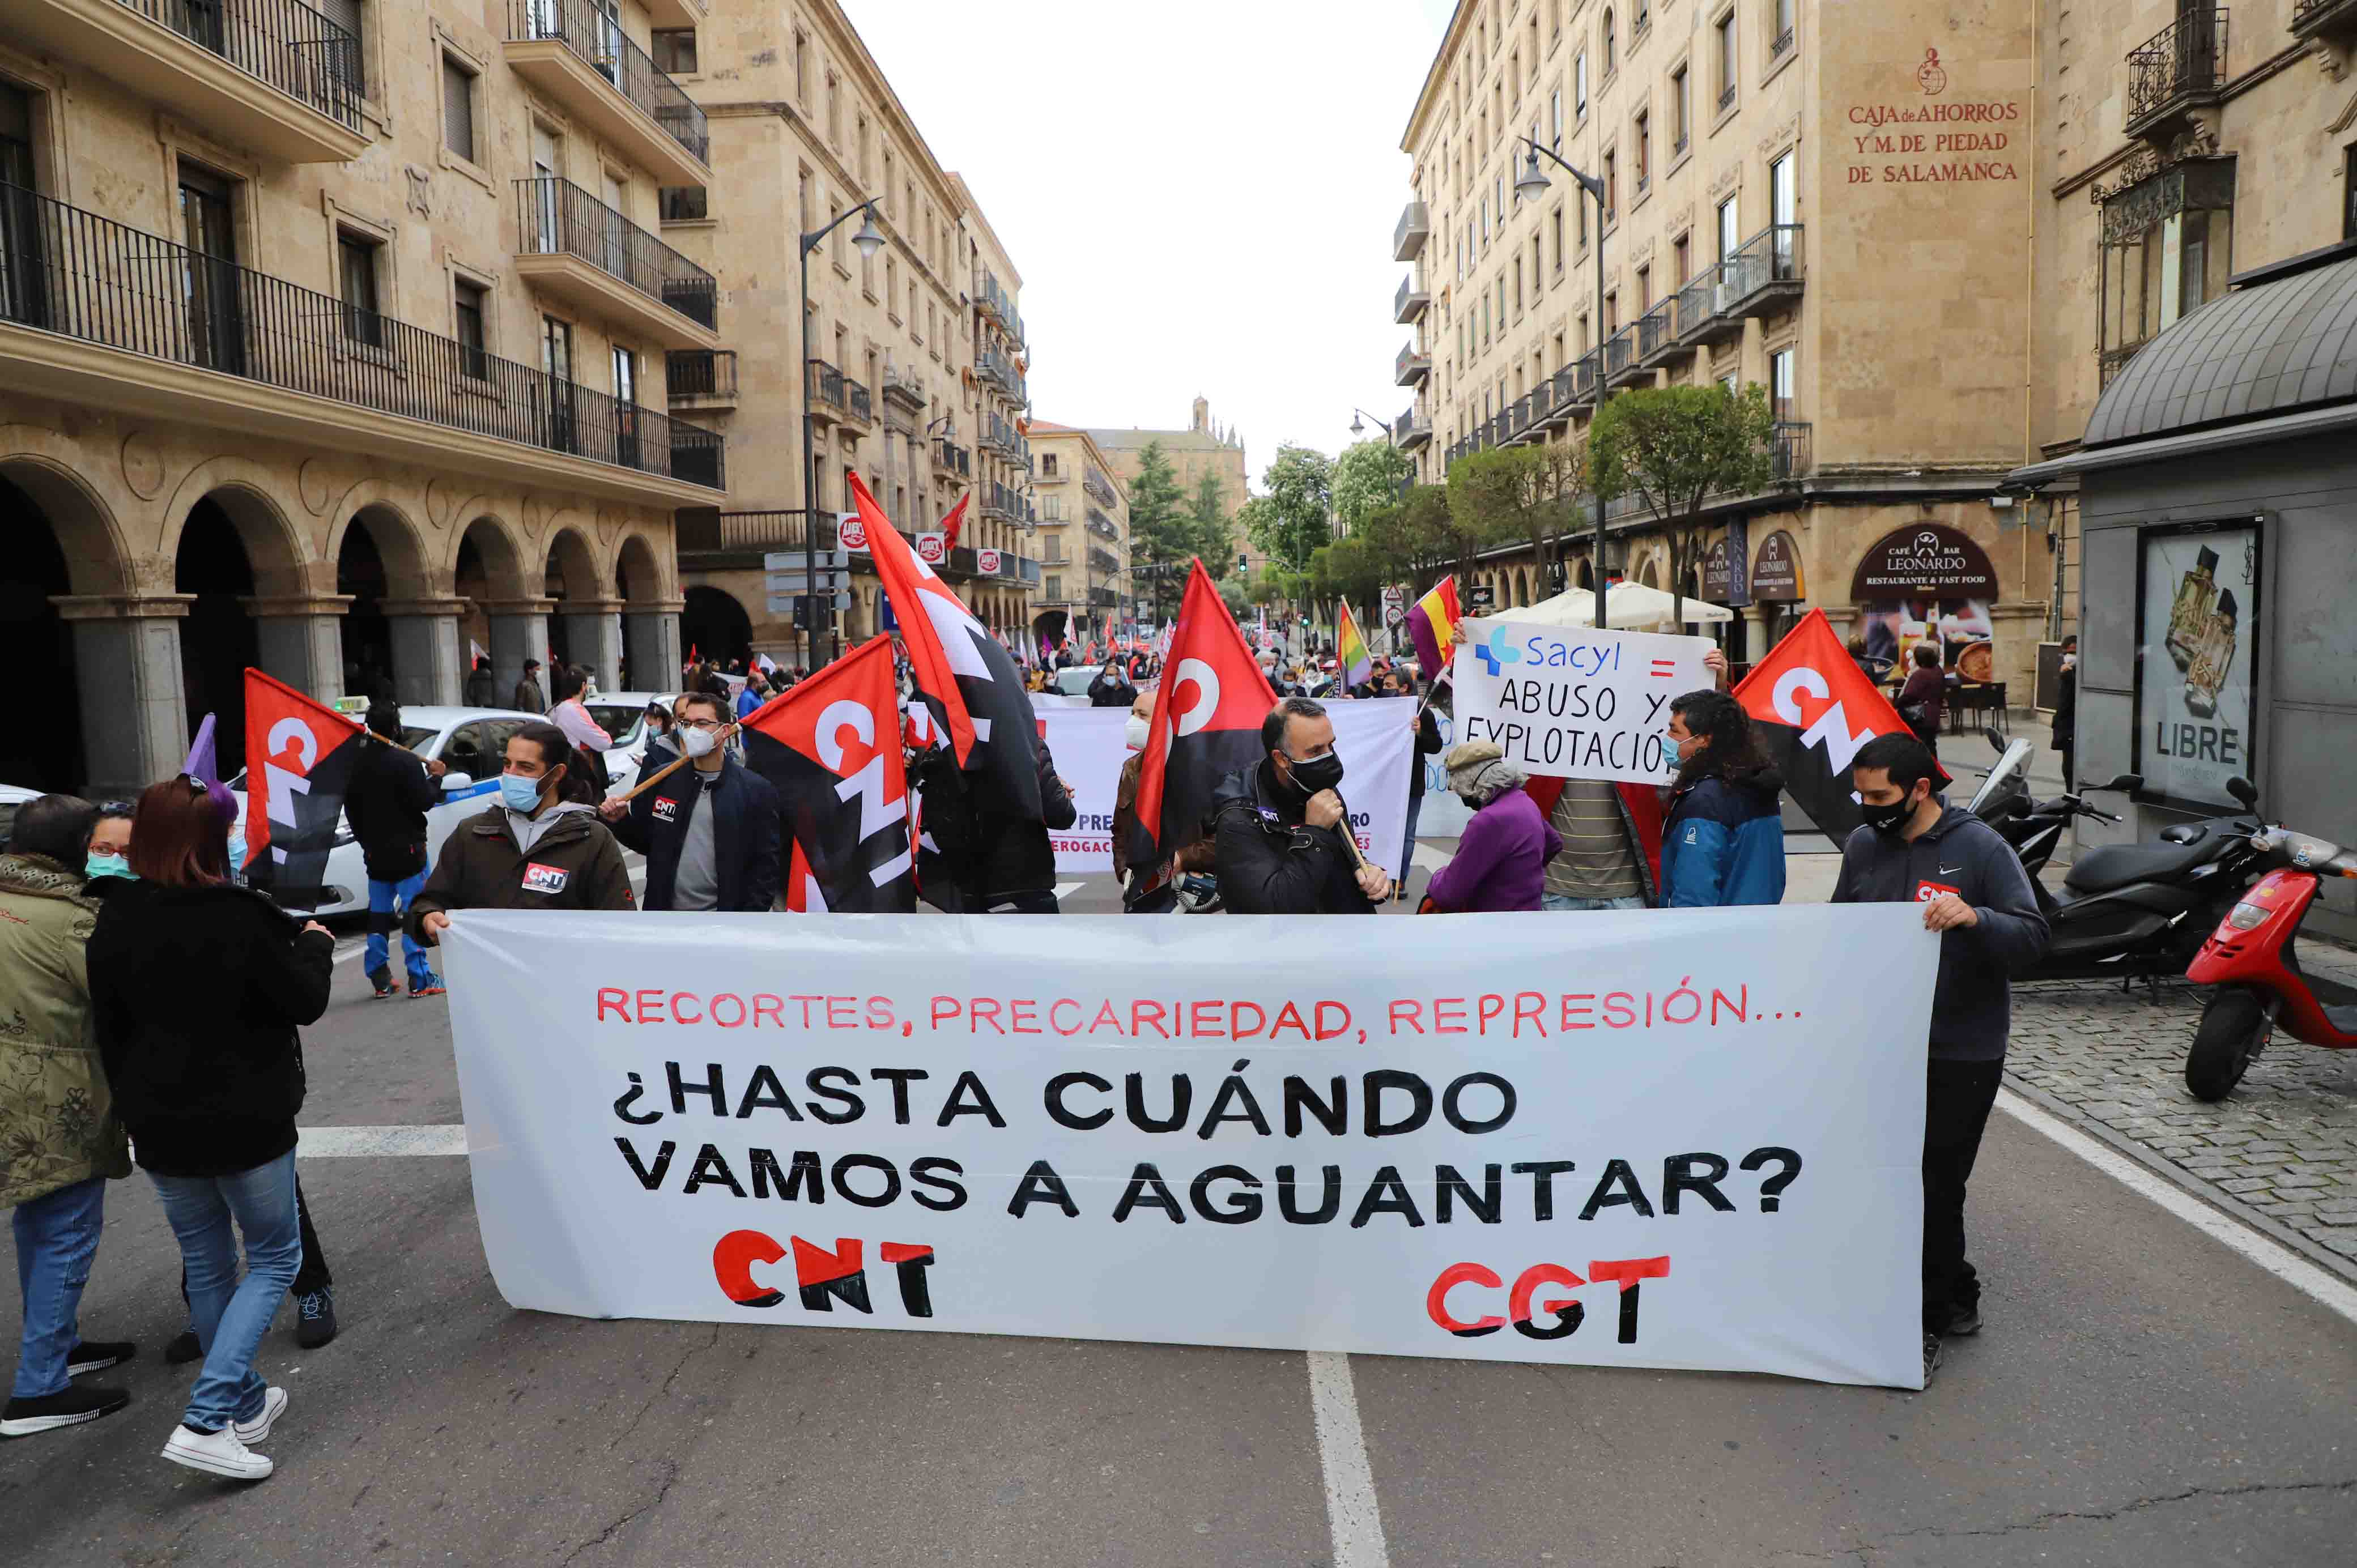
(1784, 192)
(674, 50)
(1611, 186)
(835, 111)
(1644, 289)
(1560, 361)
(892, 285)
(1047, 467)
(1579, 85)
(1055, 588)
(357, 259)
(556, 348)
(1681, 111)
(801, 68)
(1485, 220)
(1612, 47)
(1779, 382)
(1514, 75)
(1729, 238)
(346, 63)
(1518, 285)
(1554, 19)
(1501, 201)
(1680, 260)
(1644, 19)
(1556, 117)
(1555, 222)
(1579, 204)
(681, 203)
(863, 150)
(1724, 34)
(467, 302)
(1584, 342)
(1780, 34)
(1727, 382)
(1645, 149)
(458, 109)
(1612, 313)
(1535, 273)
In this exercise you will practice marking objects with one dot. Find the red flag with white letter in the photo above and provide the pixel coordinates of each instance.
(1206, 723)
(1814, 708)
(299, 761)
(831, 745)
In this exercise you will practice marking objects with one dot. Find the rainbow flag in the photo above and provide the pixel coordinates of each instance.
(1431, 622)
(1350, 648)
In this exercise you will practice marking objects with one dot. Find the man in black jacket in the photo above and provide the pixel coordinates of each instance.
(711, 831)
(1916, 848)
(386, 805)
(1111, 689)
(999, 864)
(1277, 826)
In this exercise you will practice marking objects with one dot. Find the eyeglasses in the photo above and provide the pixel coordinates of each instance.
(700, 724)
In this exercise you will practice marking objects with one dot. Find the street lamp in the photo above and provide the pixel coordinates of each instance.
(869, 240)
(1530, 185)
(1358, 428)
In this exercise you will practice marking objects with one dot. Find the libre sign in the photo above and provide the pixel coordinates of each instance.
(1333, 1135)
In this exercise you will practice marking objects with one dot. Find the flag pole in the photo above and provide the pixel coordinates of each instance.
(643, 785)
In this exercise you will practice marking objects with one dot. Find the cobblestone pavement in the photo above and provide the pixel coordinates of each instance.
(2283, 1146)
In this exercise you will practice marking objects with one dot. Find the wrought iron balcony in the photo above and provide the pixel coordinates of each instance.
(992, 299)
(1415, 364)
(1411, 300)
(574, 246)
(2111, 361)
(78, 276)
(859, 403)
(1766, 270)
(575, 51)
(1793, 457)
(1093, 480)
(1411, 430)
(1101, 525)
(275, 75)
(1657, 334)
(1726, 98)
(1000, 370)
(2324, 19)
(1621, 356)
(704, 377)
(826, 400)
(1415, 228)
(1104, 560)
(2179, 69)
(1781, 45)
(702, 532)
(949, 457)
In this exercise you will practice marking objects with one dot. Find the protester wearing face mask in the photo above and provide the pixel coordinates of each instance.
(1723, 840)
(110, 841)
(711, 831)
(534, 850)
(1917, 849)
(1146, 890)
(1277, 826)
(1500, 861)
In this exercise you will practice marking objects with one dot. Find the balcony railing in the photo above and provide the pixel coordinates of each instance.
(825, 391)
(1415, 228)
(1100, 524)
(1678, 147)
(1103, 598)
(2110, 362)
(1411, 430)
(1000, 370)
(743, 530)
(1619, 354)
(952, 458)
(994, 299)
(1793, 457)
(556, 217)
(1781, 45)
(859, 403)
(1726, 97)
(282, 42)
(2182, 64)
(701, 372)
(1411, 300)
(1093, 480)
(79, 275)
(1657, 331)
(1768, 266)
(589, 32)
(1413, 366)
(2324, 18)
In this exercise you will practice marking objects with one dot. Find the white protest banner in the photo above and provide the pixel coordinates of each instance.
(1678, 1138)
(1373, 739)
(1573, 703)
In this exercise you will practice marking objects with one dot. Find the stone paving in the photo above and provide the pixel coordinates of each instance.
(2283, 1145)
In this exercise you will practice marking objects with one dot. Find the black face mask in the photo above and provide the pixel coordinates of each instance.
(1317, 773)
(1889, 820)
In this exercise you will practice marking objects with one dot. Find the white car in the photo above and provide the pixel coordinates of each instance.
(623, 715)
(470, 742)
(11, 796)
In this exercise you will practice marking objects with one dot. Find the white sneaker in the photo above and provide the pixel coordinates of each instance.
(218, 1453)
(274, 1406)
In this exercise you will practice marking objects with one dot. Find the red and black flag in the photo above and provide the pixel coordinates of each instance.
(831, 745)
(1814, 708)
(300, 760)
(1206, 723)
(968, 680)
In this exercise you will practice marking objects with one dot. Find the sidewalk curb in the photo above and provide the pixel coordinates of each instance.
(2192, 1186)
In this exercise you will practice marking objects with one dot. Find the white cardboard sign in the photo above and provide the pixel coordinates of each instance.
(1677, 1138)
(1573, 703)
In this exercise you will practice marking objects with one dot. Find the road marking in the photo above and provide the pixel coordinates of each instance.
(351, 950)
(1352, 1514)
(2333, 1293)
(1066, 889)
(354, 1142)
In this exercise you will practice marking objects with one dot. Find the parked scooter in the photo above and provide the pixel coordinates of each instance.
(2032, 827)
(2250, 959)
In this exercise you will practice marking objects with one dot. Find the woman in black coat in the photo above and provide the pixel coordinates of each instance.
(197, 986)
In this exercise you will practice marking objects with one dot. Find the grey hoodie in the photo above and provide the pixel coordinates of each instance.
(1972, 1004)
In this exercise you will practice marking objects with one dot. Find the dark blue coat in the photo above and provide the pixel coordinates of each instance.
(746, 832)
(1724, 844)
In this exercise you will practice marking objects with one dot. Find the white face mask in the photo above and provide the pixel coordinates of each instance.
(1136, 733)
(695, 741)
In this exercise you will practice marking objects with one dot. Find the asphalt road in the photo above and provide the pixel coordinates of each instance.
(2143, 1395)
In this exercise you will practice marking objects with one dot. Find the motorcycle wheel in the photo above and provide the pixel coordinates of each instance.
(2233, 1027)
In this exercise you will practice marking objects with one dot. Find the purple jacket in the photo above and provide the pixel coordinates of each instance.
(1501, 860)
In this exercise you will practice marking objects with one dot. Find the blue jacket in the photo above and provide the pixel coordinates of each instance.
(1724, 844)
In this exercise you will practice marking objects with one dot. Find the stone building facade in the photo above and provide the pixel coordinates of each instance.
(333, 347)
(1083, 537)
(909, 363)
(1833, 204)
(1205, 447)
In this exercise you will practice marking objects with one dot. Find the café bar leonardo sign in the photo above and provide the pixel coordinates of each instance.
(1924, 559)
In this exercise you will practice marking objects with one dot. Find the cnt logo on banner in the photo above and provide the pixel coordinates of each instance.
(1320, 1135)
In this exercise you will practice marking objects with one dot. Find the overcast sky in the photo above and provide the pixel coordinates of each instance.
(1199, 198)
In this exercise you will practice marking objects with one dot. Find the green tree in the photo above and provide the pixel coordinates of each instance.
(1675, 447)
(1214, 532)
(1367, 476)
(1298, 490)
(1161, 524)
(1520, 492)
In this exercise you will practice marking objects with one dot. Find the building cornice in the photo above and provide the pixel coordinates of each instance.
(2267, 69)
(1435, 77)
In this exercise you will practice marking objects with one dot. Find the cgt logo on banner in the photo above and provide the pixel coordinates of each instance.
(1328, 1135)
(1569, 702)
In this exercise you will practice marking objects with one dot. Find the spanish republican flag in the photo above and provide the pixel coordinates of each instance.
(1350, 648)
(1433, 622)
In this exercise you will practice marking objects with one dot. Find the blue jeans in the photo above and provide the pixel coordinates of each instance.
(1561, 902)
(384, 898)
(56, 1236)
(229, 1314)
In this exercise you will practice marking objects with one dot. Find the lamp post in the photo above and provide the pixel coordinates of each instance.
(1531, 185)
(869, 242)
(1358, 428)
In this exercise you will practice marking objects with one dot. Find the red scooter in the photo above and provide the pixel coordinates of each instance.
(2249, 958)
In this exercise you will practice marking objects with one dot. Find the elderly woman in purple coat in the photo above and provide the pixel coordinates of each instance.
(1502, 859)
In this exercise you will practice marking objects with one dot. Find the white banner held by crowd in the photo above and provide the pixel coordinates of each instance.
(1372, 738)
(1573, 703)
(1678, 1138)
